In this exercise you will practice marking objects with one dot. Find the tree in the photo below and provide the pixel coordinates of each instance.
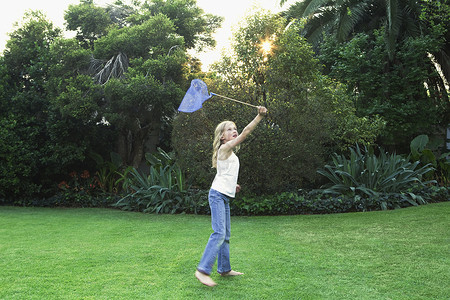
(75, 126)
(26, 53)
(306, 111)
(23, 122)
(92, 22)
(137, 106)
(398, 19)
(41, 142)
(55, 110)
(398, 24)
(151, 38)
(138, 101)
(343, 19)
(406, 94)
(190, 21)
(89, 21)
(140, 63)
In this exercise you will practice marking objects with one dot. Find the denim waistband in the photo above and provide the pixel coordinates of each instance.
(214, 193)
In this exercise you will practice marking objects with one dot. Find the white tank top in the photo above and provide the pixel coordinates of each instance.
(227, 176)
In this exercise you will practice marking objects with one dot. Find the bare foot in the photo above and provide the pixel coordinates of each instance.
(205, 279)
(232, 273)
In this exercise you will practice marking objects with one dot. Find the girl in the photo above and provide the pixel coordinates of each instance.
(224, 187)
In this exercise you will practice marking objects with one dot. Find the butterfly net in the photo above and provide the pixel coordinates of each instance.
(195, 96)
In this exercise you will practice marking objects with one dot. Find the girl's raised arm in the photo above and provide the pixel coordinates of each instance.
(230, 145)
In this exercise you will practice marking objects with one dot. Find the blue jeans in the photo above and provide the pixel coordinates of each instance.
(219, 242)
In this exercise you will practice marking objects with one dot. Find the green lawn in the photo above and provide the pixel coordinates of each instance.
(111, 254)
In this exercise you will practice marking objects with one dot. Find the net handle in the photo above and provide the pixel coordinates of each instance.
(214, 94)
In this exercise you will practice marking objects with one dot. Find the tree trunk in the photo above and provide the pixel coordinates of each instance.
(133, 144)
(137, 149)
(122, 147)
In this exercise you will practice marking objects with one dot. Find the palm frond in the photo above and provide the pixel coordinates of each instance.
(318, 25)
(311, 7)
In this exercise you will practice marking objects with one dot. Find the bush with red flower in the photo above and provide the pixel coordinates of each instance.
(80, 189)
(80, 182)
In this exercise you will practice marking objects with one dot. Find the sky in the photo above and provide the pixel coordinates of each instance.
(232, 10)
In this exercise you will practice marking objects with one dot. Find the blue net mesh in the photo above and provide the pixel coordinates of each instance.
(195, 96)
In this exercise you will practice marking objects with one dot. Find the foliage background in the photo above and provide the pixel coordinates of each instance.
(98, 102)
(112, 88)
(309, 115)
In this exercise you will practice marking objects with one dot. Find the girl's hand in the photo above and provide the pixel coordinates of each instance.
(262, 111)
(238, 188)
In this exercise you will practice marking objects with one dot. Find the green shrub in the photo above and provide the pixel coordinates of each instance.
(317, 202)
(365, 174)
(434, 194)
(19, 160)
(160, 190)
(71, 199)
(154, 192)
(423, 151)
(78, 189)
(291, 203)
(108, 172)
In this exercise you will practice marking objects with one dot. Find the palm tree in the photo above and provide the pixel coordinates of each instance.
(399, 18)
(344, 18)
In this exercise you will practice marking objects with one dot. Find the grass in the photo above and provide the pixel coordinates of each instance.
(111, 254)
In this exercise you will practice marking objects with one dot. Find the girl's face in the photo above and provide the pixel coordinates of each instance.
(229, 133)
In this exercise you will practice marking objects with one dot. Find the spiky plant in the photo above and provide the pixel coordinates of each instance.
(367, 175)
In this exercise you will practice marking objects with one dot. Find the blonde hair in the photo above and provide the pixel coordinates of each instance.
(218, 133)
